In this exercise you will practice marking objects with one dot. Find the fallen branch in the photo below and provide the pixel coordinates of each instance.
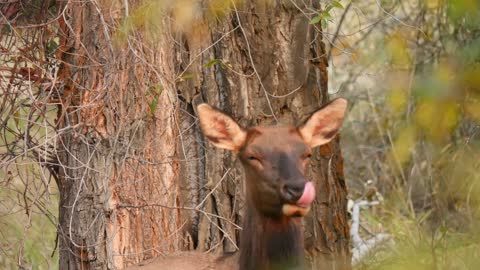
(363, 247)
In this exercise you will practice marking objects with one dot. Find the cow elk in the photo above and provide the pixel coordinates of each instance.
(277, 193)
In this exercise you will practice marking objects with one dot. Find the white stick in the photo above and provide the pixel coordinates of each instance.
(360, 246)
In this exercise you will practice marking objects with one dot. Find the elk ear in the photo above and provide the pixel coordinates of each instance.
(220, 129)
(323, 125)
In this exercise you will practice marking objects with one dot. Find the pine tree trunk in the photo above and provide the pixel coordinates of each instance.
(137, 179)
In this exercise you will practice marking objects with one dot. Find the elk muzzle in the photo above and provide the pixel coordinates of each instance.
(304, 199)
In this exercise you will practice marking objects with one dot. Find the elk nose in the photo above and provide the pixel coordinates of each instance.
(291, 192)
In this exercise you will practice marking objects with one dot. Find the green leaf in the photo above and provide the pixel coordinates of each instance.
(443, 229)
(324, 24)
(153, 106)
(211, 63)
(315, 19)
(337, 4)
(327, 16)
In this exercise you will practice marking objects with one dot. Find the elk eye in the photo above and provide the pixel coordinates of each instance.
(252, 158)
(307, 156)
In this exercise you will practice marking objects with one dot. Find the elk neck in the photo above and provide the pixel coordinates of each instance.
(271, 243)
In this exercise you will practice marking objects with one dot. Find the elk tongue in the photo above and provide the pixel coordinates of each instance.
(308, 195)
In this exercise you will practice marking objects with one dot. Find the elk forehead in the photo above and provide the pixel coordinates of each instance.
(283, 139)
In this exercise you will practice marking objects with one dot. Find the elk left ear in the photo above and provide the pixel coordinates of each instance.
(323, 125)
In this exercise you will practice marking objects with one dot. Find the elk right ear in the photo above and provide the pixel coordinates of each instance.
(323, 125)
(220, 129)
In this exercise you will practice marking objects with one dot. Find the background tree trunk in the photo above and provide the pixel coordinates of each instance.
(137, 179)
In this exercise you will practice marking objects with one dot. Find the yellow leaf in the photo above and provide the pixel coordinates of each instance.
(403, 145)
(398, 51)
(398, 100)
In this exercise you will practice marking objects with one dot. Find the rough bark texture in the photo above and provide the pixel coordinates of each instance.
(132, 171)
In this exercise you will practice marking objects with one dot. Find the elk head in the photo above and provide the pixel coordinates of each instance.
(275, 158)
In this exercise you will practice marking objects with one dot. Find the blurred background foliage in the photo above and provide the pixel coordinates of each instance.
(411, 70)
(28, 193)
(412, 137)
(189, 16)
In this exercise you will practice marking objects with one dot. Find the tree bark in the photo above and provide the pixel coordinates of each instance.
(137, 178)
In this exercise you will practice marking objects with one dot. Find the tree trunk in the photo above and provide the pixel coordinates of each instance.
(137, 179)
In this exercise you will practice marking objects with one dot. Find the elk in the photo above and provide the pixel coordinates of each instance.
(277, 193)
